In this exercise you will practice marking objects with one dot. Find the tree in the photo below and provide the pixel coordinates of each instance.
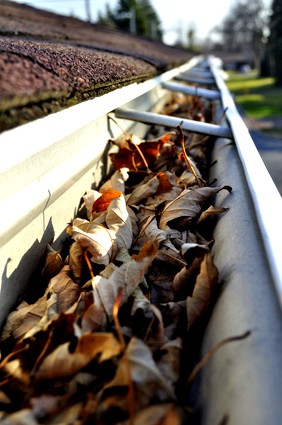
(135, 15)
(275, 40)
(243, 28)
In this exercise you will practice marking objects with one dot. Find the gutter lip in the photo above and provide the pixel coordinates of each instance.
(60, 124)
(264, 193)
(44, 134)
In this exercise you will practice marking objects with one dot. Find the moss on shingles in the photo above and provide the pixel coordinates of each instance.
(38, 108)
(49, 62)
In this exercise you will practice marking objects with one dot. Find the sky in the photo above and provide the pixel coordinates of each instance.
(177, 16)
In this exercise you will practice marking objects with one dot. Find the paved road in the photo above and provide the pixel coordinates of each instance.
(270, 149)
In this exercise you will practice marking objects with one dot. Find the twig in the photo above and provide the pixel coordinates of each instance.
(187, 159)
(122, 342)
(43, 352)
(212, 351)
(115, 317)
(135, 145)
(88, 264)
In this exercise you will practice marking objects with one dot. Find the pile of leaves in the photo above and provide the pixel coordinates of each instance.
(105, 343)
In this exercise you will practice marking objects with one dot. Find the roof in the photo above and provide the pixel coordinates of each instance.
(49, 62)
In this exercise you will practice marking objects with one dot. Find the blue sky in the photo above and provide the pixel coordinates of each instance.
(177, 16)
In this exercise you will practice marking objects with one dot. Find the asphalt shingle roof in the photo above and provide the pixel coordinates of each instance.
(49, 62)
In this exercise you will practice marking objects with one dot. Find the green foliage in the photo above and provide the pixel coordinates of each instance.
(258, 96)
(136, 16)
(275, 39)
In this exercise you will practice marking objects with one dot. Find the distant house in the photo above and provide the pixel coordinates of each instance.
(241, 61)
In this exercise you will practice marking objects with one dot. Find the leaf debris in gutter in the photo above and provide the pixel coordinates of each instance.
(107, 340)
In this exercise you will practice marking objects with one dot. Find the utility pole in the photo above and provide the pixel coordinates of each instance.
(131, 16)
(88, 10)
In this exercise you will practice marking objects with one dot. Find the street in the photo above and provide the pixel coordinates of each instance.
(270, 149)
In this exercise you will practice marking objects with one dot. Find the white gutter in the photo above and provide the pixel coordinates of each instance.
(265, 195)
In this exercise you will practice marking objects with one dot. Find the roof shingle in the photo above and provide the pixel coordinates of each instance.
(48, 61)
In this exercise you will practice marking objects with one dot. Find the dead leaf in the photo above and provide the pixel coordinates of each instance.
(67, 292)
(20, 321)
(160, 414)
(202, 293)
(149, 231)
(143, 191)
(147, 321)
(89, 199)
(66, 361)
(117, 180)
(137, 156)
(103, 241)
(137, 366)
(188, 204)
(76, 261)
(126, 277)
(53, 263)
(190, 251)
(169, 361)
(22, 417)
(210, 212)
(102, 203)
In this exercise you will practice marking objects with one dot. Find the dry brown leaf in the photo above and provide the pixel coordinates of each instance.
(89, 198)
(186, 179)
(169, 362)
(126, 277)
(175, 318)
(188, 204)
(67, 292)
(119, 220)
(23, 319)
(137, 366)
(165, 183)
(98, 242)
(148, 320)
(101, 241)
(102, 203)
(94, 319)
(143, 191)
(159, 414)
(205, 284)
(4, 399)
(65, 361)
(190, 251)
(47, 404)
(22, 417)
(117, 180)
(211, 211)
(125, 140)
(184, 280)
(140, 155)
(167, 190)
(149, 231)
(53, 263)
(76, 261)
(68, 415)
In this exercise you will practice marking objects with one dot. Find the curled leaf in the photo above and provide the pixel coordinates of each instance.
(76, 261)
(205, 284)
(53, 263)
(127, 276)
(188, 204)
(64, 361)
(117, 180)
(107, 195)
